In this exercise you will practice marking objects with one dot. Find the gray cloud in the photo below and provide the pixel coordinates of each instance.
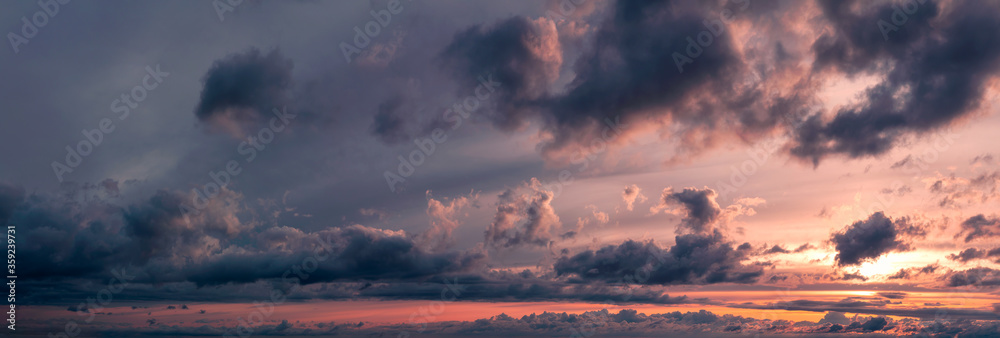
(892, 294)
(979, 226)
(83, 232)
(958, 192)
(973, 254)
(804, 247)
(694, 259)
(869, 239)
(776, 249)
(389, 124)
(523, 55)
(524, 217)
(934, 72)
(624, 75)
(701, 210)
(906, 273)
(975, 277)
(244, 88)
(356, 253)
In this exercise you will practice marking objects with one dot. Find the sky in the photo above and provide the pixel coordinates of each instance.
(484, 168)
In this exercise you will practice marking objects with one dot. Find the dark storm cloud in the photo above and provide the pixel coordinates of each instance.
(973, 254)
(402, 119)
(975, 277)
(10, 197)
(892, 295)
(804, 247)
(852, 47)
(506, 286)
(355, 253)
(83, 232)
(906, 273)
(979, 226)
(834, 317)
(967, 255)
(776, 249)
(869, 239)
(627, 74)
(694, 259)
(701, 210)
(935, 69)
(849, 277)
(64, 234)
(389, 124)
(523, 55)
(160, 230)
(477, 285)
(245, 87)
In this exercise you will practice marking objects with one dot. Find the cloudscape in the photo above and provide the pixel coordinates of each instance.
(429, 168)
